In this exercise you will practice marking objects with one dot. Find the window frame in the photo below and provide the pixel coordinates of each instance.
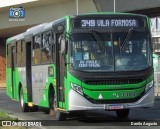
(18, 52)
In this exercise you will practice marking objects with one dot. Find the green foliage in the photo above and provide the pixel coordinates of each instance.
(4, 116)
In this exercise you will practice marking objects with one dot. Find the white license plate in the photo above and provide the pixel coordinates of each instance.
(113, 106)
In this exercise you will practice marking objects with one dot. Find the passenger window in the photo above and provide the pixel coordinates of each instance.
(23, 52)
(37, 42)
(18, 63)
(36, 56)
(46, 47)
(36, 52)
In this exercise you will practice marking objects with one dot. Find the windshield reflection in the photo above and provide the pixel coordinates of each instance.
(86, 53)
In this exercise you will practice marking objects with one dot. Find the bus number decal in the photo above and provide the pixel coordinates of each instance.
(88, 23)
(127, 94)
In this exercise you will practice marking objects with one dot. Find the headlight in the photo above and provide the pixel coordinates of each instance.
(77, 88)
(148, 86)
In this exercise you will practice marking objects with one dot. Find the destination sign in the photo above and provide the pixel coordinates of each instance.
(108, 22)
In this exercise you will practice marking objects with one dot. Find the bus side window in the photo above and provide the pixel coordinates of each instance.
(23, 53)
(9, 55)
(37, 42)
(36, 52)
(46, 47)
(18, 61)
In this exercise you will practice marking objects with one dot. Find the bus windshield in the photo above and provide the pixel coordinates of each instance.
(110, 51)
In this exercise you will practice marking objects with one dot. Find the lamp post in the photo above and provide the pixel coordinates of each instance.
(114, 6)
(77, 6)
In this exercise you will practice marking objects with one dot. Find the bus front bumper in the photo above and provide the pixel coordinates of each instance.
(78, 102)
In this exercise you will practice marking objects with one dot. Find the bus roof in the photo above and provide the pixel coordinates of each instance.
(42, 27)
(36, 29)
(8, 40)
(50, 24)
(16, 37)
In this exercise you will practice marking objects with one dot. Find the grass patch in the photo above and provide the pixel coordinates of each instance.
(5, 117)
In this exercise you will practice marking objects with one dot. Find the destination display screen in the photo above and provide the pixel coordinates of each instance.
(108, 22)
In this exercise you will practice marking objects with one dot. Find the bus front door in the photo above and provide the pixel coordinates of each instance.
(60, 72)
(13, 63)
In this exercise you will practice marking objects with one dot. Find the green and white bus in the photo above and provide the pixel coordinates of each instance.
(100, 61)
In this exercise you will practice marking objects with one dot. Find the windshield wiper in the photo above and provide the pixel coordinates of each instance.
(126, 38)
(98, 41)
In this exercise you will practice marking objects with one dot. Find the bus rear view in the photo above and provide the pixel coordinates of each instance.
(110, 63)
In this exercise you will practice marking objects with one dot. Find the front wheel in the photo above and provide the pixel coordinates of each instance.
(60, 116)
(24, 106)
(123, 113)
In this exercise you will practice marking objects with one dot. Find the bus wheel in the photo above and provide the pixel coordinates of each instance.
(123, 113)
(24, 106)
(60, 116)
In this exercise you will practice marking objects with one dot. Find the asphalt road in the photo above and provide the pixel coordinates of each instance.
(95, 120)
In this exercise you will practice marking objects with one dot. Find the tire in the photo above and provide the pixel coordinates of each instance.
(34, 108)
(24, 106)
(122, 113)
(84, 115)
(59, 116)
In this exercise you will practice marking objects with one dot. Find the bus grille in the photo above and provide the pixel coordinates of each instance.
(113, 82)
(113, 101)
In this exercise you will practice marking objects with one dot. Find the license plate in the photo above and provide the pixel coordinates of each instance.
(113, 106)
